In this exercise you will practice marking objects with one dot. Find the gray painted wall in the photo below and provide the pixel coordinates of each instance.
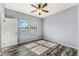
(78, 30)
(62, 27)
(0, 28)
(24, 37)
(2, 15)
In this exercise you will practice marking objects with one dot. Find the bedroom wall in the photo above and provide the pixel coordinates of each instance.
(2, 15)
(78, 31)
(23, 37)
(62, 27)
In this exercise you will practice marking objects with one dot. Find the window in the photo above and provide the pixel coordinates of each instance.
(33, 26)
(27, 26)
(23, 25)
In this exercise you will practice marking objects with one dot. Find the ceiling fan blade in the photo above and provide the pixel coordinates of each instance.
(33, 11)
(45, 11)
(33, 5)
(44, 5)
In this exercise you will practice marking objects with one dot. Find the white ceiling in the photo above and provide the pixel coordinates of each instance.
(26, 8)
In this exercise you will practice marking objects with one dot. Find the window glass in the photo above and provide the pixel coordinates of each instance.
(33, 26)
(23, 25)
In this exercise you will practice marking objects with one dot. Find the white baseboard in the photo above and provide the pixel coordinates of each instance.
(64, 45)
(59, 43)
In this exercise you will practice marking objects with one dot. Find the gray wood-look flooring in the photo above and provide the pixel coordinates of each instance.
(39, 48)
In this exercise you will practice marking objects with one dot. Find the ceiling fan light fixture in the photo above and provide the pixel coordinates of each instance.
(39, 10)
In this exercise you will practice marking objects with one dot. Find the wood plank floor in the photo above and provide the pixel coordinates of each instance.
(39, 48)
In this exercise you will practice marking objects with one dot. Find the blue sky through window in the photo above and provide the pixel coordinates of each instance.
(22, 23)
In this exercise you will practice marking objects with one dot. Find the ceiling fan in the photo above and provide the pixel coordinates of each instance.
(40, 8)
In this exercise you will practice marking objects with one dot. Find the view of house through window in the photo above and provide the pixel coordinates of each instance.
(33, 26)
